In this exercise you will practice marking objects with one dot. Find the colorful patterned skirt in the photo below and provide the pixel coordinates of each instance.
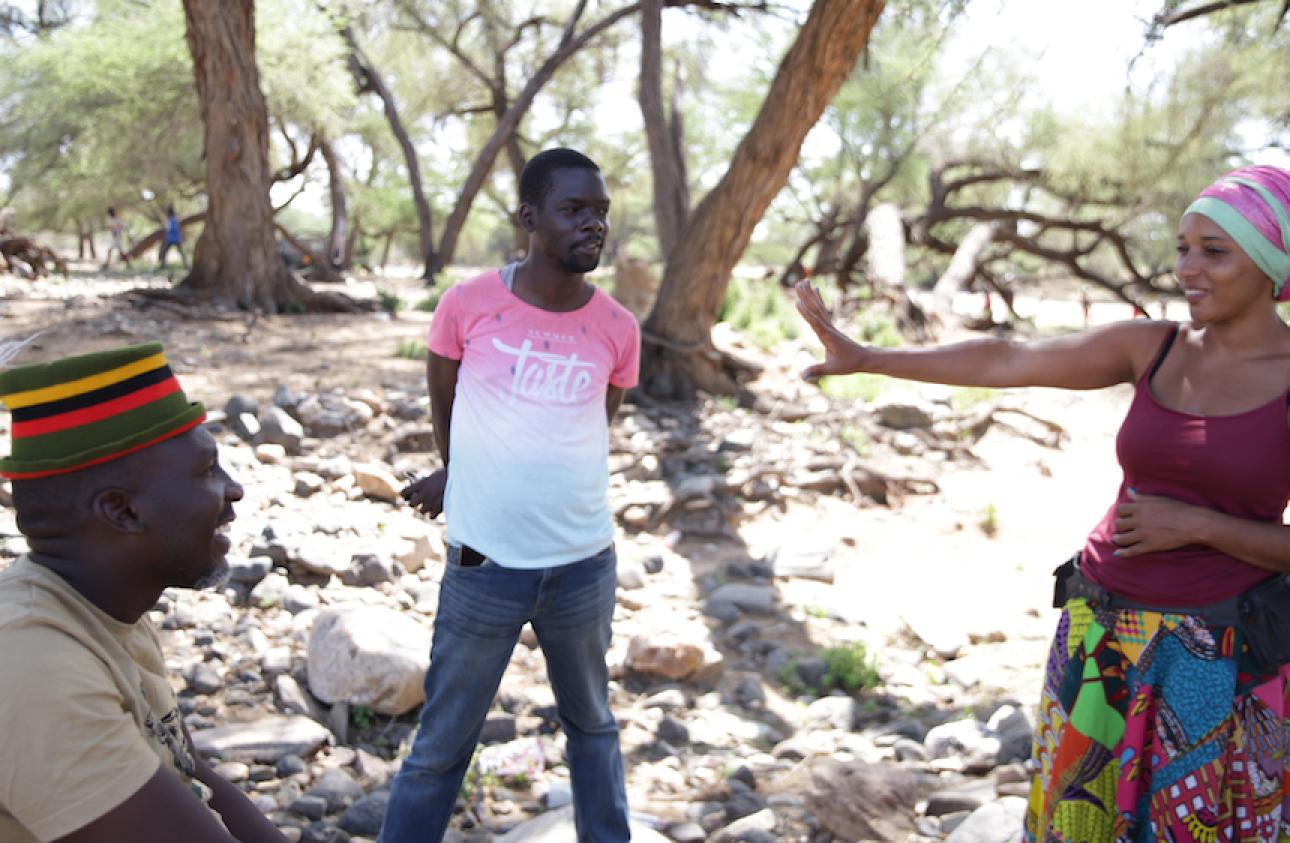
(1156, 727)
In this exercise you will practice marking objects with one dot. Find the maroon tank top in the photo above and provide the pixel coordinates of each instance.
(1238, 464)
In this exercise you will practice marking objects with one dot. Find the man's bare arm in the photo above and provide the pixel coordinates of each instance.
(426, 494)
(613, 400)
(162, 811)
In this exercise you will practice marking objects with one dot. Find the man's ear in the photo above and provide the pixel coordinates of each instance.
(527, 217)
(115, 508)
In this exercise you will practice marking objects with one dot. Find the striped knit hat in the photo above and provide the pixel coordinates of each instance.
(81, 411)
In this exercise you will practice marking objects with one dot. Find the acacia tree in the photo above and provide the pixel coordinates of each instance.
(678, 356)
(664, 134)
(235, 260)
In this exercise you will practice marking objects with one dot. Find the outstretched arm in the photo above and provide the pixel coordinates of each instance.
(1105, 356)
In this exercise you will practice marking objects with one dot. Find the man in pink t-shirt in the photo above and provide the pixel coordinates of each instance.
(527, 366)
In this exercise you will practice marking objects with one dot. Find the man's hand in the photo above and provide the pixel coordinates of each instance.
(426, 494)
(1151, 523)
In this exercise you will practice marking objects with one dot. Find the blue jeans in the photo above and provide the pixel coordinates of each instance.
(481, 612)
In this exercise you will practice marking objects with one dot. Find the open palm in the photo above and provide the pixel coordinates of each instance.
(841, 354)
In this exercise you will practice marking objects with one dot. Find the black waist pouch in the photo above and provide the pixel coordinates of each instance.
(1265, 621)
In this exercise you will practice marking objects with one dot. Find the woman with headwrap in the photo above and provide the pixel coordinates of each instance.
(1164, 709)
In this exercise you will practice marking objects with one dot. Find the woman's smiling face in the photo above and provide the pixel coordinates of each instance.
(1219, 279)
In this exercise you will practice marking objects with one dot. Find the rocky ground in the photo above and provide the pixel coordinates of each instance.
(831, 620)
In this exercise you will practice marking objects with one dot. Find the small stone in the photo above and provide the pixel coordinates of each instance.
(278, 428)
(307, 483)
(337, 787)
(269, 591)
(290, 765)
(299, 598)
(249, 571)
(997, 822)
(377, 482)
(276, 660)
(203, 679)
(309, 806)
(245, 425)
(233, 771)
(263, 741)
(239, 403)
(366, 814)
(559, 794)
(270, 453)
(746, 596)
(673, 730)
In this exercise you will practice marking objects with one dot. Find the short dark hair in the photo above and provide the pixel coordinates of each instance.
(536, 179)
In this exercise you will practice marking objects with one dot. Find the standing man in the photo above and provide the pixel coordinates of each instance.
(174, 237)
(120, 494)
(527, 366)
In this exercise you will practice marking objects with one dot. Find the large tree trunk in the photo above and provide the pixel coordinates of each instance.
(664, 135)
(235, 260)
(678, 355)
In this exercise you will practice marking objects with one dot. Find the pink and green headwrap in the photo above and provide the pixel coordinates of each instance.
(1252, 205)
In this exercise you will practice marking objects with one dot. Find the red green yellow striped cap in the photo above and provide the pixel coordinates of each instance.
(81, 411)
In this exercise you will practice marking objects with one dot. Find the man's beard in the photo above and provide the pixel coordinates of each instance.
(574, 263)
(214, 578)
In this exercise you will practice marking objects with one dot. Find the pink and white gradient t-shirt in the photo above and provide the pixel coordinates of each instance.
(529, 451)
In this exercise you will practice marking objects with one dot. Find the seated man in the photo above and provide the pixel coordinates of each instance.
(120, 494)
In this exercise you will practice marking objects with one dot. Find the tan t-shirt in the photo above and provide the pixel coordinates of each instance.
(86, 713)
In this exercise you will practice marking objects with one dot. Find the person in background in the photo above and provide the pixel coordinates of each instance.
(174, 237)
(116, 230)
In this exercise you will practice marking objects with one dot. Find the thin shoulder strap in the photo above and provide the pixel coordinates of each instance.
(1160, 355)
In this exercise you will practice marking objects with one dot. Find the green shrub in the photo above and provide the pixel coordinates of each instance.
(851, 668)
(389, 302)
(762, 309)
(411, 350)
(964, 398)
(989, 522)
(876, 326)
(859, 387)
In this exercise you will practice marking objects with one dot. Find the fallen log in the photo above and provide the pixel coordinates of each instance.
(34, 254)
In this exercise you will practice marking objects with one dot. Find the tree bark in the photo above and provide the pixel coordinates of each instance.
(369, 80)
(963, 266)
(339, 235)
(235, 261)
(678, 355)
(664, 135)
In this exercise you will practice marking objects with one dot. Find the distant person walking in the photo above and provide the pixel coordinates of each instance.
(116, 229)
(1163, 714)
(527, 366)
(174, 237)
